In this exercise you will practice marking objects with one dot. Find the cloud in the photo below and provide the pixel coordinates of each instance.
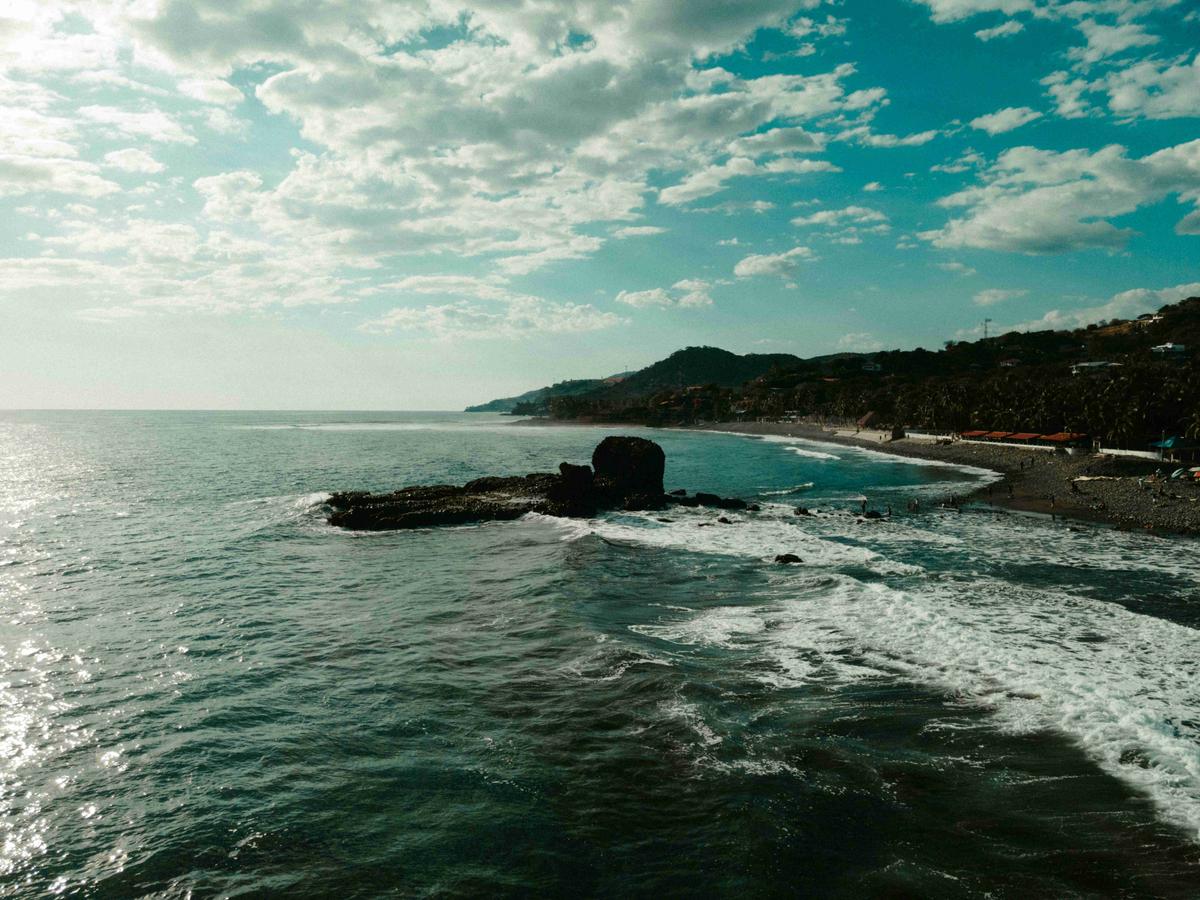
(465, 320)
(1145, 89)
(1042, 201)
(211, 90)
(992, 296)
(706, 181)
(1005, 119)
(20, 174)
(782, 264)
(872, 186)
(712, 179)
(481, 309)
(1109, 40)
(956, 10)
(638, 231)
(153, 124)
(1125, 305)
(133, 160)
(862, 134)
(654, 297)
(957, 268)
(1005, 29)
(859, 342)
(848, 214)
(689, 293)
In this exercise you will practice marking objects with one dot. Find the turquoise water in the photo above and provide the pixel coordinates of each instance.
(206, 691)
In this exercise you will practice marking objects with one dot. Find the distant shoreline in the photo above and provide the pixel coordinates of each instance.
(1034, 477)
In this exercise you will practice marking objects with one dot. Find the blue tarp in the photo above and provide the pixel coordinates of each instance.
(1169, 443)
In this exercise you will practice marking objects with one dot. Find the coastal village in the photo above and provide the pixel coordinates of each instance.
(1100, 423)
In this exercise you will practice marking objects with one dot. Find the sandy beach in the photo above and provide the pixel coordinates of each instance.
(1111, 491)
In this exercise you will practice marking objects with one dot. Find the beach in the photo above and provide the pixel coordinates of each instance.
(1111, 490)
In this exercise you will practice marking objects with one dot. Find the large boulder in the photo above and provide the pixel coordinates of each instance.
(572, 494)
(627, 466)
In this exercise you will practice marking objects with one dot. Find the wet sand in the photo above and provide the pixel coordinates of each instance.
(1037, 481)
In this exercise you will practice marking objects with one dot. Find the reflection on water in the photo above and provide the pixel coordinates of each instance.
(205, 689)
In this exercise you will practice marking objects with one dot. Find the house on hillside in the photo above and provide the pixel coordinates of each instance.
(1010, 363)
(871, 366)
(1169, 349)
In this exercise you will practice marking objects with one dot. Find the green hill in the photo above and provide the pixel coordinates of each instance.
(536, 402)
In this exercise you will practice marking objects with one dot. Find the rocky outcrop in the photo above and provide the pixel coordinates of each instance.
(626, 473)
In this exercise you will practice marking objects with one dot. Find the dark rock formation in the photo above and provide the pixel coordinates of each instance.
(628, 466)
(788, 559)
(628, 475)
(704, 499)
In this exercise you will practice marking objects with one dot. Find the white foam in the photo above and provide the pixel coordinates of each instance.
(755, 535)
(1123, 686)
(794, 489)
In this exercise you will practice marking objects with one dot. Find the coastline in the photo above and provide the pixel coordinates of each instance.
(1032, 481)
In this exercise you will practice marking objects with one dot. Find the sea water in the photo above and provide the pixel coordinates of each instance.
(205, 690)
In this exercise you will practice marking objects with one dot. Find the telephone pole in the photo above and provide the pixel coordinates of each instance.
(985, 328)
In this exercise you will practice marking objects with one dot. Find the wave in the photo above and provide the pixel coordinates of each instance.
(794, 489)
(762, 535)
(1122, 685)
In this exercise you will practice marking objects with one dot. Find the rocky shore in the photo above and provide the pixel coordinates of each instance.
(1118, 491)
(626, 473)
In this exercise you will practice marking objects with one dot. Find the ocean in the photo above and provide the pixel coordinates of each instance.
(206, 691)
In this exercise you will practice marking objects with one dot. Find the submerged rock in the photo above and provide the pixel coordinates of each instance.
(788, 559)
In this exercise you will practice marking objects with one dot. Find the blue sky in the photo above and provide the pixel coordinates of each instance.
(370, 204)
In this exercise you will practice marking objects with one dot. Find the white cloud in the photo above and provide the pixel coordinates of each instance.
(1041, 201)
(969, 160)
(1005, 119)
(20, 174)
(211, 90)
(465, 320)
(1125, 305)
(873, 186)
(863, 134)
(859, 342)
(956, 10)
(712, 179)
(688, 293)
(957, 268)
(153, 124)
(706, 181)
(782, 264)
(1109, 40)
(806, 27)
(992, 296)
(1005, 29)
(653, 297)
(480, 308)
(132, 159)
(848, 214)
(1144, 89)
(638, 231)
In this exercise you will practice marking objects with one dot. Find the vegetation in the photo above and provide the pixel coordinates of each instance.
(1012, 382)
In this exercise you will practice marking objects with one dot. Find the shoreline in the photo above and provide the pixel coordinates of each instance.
(1032, 482)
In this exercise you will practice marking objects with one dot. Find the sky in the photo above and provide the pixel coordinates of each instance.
(384, 204)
